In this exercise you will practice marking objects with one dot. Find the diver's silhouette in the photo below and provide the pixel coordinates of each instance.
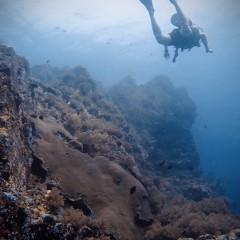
(186, 36)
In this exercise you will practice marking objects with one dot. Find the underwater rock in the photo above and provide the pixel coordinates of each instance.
(28, 200)
(76, 145)
(79, 78)
(104, 184)
(162, 116)
(135, 172)
(236, 232)
(185, 239)
(6, 71)
(52, 184)
(27, 132)
(223, 237)
(26, 218)
(35, 133)
(64, 136)
(38, 169)
(3, 98)
(196, 192)
(79, 204)
(207, 237)
(233, 235)
(15, 106)
(143, 222)
(47, 73)
(9, 196)
(47, 218)
(144, 217)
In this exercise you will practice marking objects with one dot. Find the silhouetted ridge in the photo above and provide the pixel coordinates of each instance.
(78, 77)
(47, 73)
(162, 115)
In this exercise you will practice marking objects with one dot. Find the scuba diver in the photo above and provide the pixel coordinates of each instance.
(186, 36)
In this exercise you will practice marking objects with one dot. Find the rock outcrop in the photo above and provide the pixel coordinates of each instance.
(233, 235)
(15, 127)
(162, 116)
(101, 184)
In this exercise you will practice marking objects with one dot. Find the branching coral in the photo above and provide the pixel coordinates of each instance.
(183, 218)
(55, 200)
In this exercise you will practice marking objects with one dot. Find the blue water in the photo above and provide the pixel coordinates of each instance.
(120, 42)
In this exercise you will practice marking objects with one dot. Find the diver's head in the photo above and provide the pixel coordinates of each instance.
(176, 21)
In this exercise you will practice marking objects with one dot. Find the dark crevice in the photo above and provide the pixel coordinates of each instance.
(38, 169)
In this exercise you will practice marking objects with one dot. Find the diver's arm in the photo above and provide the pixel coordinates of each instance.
(204, 40)
(166, 52)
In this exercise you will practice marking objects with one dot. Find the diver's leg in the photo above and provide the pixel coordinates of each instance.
(184, 22)
(164, 39)
(148, 4)
(204, 40)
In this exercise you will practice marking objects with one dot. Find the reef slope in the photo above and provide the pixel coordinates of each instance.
(80, 162)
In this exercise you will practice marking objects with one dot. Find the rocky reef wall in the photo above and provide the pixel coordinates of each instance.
(162, 116)
(15, 127)
(78, 162)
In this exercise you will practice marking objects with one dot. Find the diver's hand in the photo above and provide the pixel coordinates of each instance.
(166, 55)
(209, 51)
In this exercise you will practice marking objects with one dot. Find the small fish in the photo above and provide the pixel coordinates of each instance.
(169, 167)
(191, 168)
(205, 126)
(48, 61)
(133, 190)
(162, 163)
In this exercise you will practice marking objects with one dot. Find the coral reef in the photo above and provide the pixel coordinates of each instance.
(15, 127)
(183, 218)
(77, 162)
(162, 116)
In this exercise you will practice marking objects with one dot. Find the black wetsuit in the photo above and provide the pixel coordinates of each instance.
(179, 41)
